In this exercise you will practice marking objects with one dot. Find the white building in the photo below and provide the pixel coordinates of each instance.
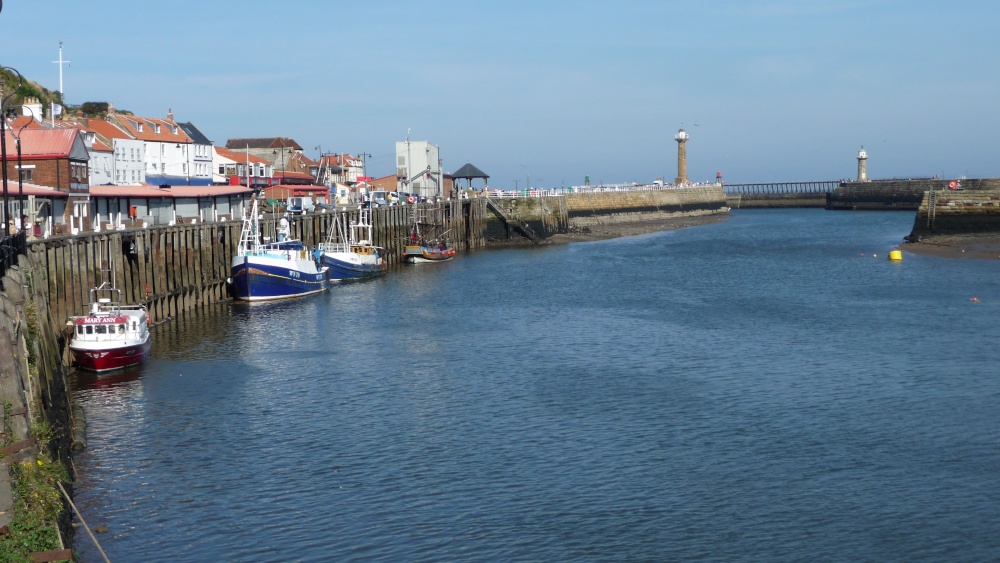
(228, 164)
(128, 168)
(418, 168)
(168, 153)
(201, 154)
(102, 161)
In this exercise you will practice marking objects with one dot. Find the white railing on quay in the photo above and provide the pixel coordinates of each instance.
(604, 188)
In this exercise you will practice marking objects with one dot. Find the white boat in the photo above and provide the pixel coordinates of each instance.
(112, 335)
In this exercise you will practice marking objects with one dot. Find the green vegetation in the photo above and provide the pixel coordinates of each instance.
(37, 506)
(9, 82)
(31, 336)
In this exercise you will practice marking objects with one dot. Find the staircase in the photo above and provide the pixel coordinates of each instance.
(931, 208)
(507, 217)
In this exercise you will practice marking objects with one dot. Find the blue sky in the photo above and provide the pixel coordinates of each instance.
(551, 91)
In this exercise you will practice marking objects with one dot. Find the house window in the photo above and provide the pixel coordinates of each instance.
(26, 174)
(156, 128)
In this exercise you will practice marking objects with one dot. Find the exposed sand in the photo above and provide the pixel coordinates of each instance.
(979, 246)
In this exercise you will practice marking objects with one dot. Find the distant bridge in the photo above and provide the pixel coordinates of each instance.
(822, 186)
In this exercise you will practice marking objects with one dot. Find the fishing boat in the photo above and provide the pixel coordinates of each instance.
(265, 271)
(348, 252)
(112, 335)
(426, 242)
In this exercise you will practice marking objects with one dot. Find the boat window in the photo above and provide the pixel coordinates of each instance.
(111, 329)
(101, 329)
(134, 327)
(79, 329)
(121, 329)
(90, 329)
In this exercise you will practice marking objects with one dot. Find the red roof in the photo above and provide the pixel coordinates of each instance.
(43, 143)
(25, 121)
(100, 147)
(170, 191)
(240, 156)
(32, 189)
(106, 129)
(281, 189)
(295, 175)
(169, 132)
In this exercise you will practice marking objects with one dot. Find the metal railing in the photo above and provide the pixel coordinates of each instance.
(10, 247)
(603, 188)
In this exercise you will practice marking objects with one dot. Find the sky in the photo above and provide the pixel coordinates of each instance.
(550, 93)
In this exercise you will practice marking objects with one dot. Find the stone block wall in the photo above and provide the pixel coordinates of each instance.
(958, 212)
(708, 198)
(776, 201)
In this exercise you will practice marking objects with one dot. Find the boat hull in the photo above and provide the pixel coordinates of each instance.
(109, 359)
(422, 254)
(255, 279)
(349, 266)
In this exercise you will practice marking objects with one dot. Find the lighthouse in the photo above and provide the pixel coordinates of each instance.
(862, 165)
(681, 137)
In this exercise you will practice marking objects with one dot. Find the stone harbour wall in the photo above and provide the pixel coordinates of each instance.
(951, 212)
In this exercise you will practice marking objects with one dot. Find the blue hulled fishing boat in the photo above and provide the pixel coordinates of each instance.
(263, 271)
(349, 253)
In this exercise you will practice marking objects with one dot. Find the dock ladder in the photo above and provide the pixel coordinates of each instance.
(931, 208)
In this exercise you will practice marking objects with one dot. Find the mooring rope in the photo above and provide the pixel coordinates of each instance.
(82, 521)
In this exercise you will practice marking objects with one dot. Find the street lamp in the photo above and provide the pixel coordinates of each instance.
(3, 142)
(364, 170)
(20, 174)
(282, 162)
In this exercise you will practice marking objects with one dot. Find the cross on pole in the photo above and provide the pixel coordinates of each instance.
(60, 62)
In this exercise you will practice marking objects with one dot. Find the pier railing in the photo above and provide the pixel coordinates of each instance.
(821, 186)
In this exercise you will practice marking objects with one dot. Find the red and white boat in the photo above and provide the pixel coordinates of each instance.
(111, 336)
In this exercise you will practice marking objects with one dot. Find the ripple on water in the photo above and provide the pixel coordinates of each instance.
(750, 390)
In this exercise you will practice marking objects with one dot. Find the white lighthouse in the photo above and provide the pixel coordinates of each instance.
(681, 137)
(862, 165)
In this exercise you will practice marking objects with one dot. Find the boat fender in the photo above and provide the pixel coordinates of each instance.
(411, 199)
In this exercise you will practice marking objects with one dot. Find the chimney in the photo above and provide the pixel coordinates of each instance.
(170, 114)
(32, 107)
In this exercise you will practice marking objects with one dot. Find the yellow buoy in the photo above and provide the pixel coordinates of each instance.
(896, 256)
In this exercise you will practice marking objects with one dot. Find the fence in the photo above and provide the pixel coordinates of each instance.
(10, 247)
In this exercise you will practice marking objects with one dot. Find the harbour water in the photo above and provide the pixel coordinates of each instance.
(768, 388)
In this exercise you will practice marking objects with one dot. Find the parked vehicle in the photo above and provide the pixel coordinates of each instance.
(298, 205)
(379, 198)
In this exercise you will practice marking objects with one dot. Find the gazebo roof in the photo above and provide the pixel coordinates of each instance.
(469, 171)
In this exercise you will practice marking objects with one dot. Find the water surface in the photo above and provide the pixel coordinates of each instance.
(769, 388)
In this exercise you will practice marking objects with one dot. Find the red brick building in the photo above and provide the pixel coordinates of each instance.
(55, 158)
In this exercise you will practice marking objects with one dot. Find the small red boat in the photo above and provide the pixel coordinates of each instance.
(112, 335)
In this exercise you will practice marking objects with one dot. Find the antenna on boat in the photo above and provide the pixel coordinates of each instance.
(106, 265)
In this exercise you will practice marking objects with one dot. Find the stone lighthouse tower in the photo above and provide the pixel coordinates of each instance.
(862, 165)
(681, 137)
